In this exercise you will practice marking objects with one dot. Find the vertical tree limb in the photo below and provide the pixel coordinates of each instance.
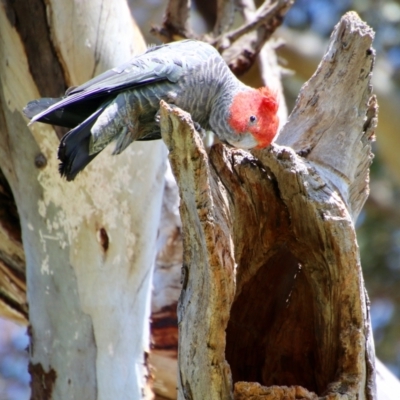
(176, 22)
(270, 246)
(211, 251)
(89, 245)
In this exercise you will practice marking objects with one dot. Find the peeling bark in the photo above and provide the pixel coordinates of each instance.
(89, 246)
(42, 389)
(272, 289)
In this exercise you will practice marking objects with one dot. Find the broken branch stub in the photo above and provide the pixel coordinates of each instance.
(272, 285)
(208, 264)
(335, 115)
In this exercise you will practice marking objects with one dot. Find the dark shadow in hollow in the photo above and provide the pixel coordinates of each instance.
(270, 335)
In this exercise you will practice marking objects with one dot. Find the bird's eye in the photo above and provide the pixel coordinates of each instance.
(252, 119)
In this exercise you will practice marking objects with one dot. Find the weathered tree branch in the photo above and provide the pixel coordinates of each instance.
(212, 253)
(336, 134)
(240, 46)
(225, 16)
(176, 22)
(273, 283)
(264, 16)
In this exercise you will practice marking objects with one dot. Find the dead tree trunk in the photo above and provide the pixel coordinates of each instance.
(273, 292)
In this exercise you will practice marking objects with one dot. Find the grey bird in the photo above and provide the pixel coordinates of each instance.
(122, 104)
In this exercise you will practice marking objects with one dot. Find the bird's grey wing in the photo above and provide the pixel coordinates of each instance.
(162, 63)
(138, 72)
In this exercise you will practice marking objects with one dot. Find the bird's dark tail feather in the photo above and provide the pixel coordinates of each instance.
(74, 148)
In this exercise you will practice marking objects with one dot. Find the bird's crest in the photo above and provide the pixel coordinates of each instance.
(254, 112)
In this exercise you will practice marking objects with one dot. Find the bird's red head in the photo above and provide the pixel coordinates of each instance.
(254, 112)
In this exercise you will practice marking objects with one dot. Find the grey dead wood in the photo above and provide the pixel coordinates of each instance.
(273, 294)
(212, 252)
(239, 47)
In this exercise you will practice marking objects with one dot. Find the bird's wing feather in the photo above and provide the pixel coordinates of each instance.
(147, 68)
(166, 63)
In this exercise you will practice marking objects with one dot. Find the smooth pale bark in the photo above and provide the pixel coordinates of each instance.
(272, 279)
(89, 244)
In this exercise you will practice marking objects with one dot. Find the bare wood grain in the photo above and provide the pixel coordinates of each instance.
(335, 116)
(270, 248)
(208, 288)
